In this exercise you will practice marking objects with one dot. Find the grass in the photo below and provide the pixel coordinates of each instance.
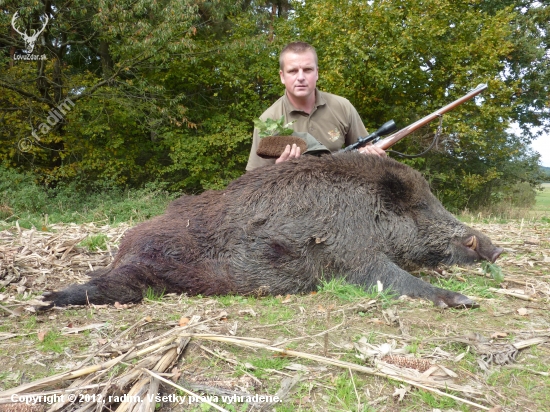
(505, 211)
(265, 364)
(229, 300)
(338, 288)
(296, 318)
(543, 200)
(494, 270)
(95, 242)
(347, 292)
(32, 205)
(331, 389)
(54, 341)
(473, 286)
(153, 295)
(438, 402)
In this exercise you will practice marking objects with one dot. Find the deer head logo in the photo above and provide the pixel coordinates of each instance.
(30, 41)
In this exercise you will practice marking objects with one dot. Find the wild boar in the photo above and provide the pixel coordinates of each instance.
(283, 228)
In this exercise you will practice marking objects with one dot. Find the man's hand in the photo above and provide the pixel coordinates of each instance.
(372, 150)
(289, 153)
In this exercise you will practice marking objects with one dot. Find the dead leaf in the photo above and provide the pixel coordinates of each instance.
(498, 335)
(391, 316)
(287, 299)
(41, 335)
(458, 358)
(297, 367)
(249, 311)
(233, 329)
(183, 321)
(522, 312)
(401, 392)
(376, 321)
(176, 373)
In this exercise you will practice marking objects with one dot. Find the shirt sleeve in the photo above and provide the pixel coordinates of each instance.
(254, 160)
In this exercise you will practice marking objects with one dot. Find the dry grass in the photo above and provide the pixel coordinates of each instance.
(314, 352)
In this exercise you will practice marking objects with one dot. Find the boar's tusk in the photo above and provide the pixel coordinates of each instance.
(471, 243)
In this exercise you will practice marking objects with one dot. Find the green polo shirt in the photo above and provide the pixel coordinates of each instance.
(334, 122)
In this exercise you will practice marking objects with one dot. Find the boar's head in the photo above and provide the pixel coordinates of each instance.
(436, 236)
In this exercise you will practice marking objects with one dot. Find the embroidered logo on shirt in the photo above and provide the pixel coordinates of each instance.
(334, 135)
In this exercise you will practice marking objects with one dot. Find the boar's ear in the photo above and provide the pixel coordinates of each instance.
(396, 193)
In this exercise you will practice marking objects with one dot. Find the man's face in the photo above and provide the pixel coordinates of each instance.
(299, 74)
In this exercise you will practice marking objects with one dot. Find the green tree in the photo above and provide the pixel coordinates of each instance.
(404, 60)
(108, 58)
(169, 90)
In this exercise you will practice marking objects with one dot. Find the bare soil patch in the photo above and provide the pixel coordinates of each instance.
(324, 351)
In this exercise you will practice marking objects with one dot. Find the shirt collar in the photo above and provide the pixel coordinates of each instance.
(319, 101)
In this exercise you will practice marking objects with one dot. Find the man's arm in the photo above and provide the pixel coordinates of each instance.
(356, 131)
(371, 149)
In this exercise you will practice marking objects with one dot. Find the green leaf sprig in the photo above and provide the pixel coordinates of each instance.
(271, 127)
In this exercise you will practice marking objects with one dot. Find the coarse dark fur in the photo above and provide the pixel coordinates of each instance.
(282, 228)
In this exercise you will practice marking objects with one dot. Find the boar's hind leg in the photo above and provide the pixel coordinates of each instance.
(403, 283)
(123, 284)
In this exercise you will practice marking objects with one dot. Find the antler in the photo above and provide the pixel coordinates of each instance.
(35, 35)
(29, 40)
(13, 19)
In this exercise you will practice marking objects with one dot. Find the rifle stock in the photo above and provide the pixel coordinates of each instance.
(394, 138)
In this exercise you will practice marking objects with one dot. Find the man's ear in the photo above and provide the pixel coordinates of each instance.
(281, 75)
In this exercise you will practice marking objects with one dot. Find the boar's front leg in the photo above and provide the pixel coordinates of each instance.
(403, 283)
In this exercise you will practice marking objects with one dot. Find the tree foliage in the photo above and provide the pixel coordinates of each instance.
(404, 60)
(169, 90)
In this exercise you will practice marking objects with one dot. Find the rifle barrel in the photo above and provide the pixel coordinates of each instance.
(394, 138)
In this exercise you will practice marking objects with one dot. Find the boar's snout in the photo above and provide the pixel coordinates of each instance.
(496, 253)
(483, 248)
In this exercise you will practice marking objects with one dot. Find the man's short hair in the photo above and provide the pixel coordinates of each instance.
(297, 47)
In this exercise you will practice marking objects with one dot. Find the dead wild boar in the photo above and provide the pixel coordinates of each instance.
(283, 228)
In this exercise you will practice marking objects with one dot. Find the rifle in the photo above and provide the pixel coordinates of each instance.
(389, 127)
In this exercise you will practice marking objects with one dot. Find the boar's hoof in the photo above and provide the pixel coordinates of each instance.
(454, 300)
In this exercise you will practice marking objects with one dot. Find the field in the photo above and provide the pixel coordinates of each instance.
(339, 349)
(543, 199)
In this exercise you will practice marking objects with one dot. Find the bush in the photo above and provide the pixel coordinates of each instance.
(522, 195)
(19, 191)
(21, 198)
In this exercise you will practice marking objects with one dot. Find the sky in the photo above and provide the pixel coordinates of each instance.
(542, 145)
